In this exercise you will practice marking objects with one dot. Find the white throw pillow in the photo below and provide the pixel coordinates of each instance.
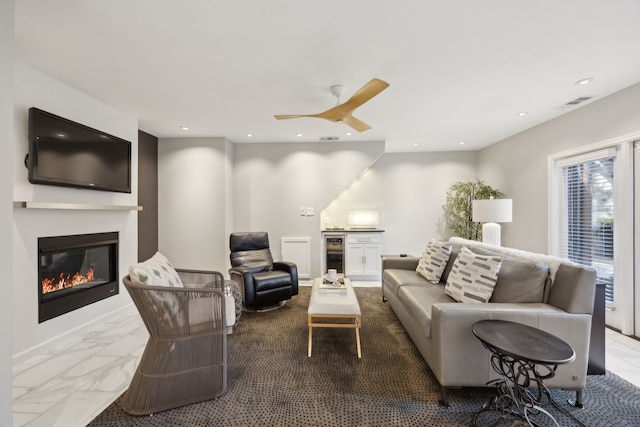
(433, 261)
(473, 277)
(156, 271)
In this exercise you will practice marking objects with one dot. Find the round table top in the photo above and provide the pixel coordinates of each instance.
(524, 342)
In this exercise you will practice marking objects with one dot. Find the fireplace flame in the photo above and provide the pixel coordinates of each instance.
(66, 281)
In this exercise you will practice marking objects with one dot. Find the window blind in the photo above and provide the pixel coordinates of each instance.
(588, 214)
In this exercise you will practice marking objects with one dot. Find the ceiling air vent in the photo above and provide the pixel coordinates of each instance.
(329, 138)
(578, 101)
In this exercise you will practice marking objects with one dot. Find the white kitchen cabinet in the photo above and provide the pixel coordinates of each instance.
(362, 256)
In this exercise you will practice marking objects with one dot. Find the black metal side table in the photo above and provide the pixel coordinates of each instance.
(524, 357)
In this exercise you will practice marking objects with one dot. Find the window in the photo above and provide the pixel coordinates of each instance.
(587, 212)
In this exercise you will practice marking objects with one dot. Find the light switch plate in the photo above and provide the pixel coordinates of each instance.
(309, 211)
(303, 211)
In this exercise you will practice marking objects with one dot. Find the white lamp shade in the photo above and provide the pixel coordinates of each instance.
(492, 210)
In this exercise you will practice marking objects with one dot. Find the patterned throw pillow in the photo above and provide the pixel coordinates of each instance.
(473, 276)
(156, 271)
(433, 261)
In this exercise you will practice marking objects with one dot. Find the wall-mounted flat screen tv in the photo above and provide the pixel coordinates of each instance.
(66, 153)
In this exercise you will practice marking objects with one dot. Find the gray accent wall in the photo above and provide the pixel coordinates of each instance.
(518, 165)
(147, 195)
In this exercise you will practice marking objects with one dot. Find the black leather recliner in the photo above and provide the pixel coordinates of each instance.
(263, 282)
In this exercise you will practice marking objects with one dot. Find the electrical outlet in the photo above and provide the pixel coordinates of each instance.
(303, 211)
(309, 211)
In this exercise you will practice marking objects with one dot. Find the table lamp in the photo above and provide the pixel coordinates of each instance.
(490, 212)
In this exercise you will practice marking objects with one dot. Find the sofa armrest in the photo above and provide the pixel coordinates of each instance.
(403, 263)
(574, 289)
(453, 339)
(243, 276)
(290, 268)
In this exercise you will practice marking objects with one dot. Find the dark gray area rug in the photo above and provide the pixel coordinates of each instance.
(272, 382)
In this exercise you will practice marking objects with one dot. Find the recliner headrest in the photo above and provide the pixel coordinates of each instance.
(248, 241)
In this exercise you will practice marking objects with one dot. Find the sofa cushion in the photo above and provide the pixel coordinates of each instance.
(418, 300)
(395, 278)
(519, 280)
(473, 276)
(156, 271)
(433, 261)
(552, 261)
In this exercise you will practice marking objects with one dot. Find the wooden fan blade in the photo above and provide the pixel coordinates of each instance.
(327, 115)
(355, 124)
(342, 113)
(334, 114)
(366, 92)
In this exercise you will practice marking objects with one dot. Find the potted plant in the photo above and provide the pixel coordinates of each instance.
(458, 207)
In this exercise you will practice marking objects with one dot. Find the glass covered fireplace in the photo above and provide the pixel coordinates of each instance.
(75, 271)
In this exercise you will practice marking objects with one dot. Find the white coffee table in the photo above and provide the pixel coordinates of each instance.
(330, 308)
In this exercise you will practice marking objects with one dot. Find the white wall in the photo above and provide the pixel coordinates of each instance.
(518, 165)
(192, 202)
(409, 192)
(34, 88)
(6, 199)
(273, 181)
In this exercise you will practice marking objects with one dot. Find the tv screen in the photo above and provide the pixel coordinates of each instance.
(63, 152)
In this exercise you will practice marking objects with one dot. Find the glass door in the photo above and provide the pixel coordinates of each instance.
(592, 205)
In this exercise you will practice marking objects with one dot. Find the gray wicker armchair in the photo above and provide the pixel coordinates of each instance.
(185, 360)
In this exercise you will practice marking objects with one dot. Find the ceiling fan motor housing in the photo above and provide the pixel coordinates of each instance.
(337, 91)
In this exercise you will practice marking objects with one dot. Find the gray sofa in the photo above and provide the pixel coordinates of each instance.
(537, 290)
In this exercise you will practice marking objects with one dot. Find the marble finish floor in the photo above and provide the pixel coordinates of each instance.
(75, 380)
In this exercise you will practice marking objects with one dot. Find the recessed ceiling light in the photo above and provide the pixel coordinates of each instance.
(184, 127)
(415, 144)
(348, 133)
(298, 134)
(521, 113)
(249, 135)
(584, 81)
(463, 142)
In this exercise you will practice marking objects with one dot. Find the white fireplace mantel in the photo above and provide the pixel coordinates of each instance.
(75, 206)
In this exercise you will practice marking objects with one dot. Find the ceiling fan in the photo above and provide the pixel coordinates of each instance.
(341, 113)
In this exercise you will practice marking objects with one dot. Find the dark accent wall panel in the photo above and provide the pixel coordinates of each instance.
(147, 195)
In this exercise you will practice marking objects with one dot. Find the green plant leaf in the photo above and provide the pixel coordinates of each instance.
(458, 207)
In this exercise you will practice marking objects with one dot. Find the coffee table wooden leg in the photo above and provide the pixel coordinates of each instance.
(358, 322)
(309, 350)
